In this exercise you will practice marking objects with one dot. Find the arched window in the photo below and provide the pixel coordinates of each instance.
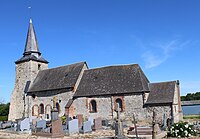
(93, 106)
(35, 110)
(41, 109)
(119, 101)
(58, 107)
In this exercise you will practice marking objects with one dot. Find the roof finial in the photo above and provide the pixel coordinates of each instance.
(30, 21)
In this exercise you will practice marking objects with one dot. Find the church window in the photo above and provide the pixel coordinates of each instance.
(35, 110)
(58, 107)
(41, 109)
(119, 101)
(93, 106)
(39, 66)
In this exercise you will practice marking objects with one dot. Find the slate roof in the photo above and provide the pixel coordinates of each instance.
(31, 51)
(161, 93)
(57, 78)
(112, 80)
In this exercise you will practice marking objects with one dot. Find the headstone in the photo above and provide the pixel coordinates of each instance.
(57, 129)
(91, 120)
(41, 124)
(87, 127)
(6, 125)
(25, 124)
(1, 124)
(97, 124)
(80, 120)
(73, 126)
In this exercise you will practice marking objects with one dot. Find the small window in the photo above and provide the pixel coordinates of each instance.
(39, 66)
(47, 115)
(93, 106)
(119, 101)
(41, 108)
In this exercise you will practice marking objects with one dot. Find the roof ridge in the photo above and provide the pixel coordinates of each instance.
(110, 66)
(163, 82)
(64, 66)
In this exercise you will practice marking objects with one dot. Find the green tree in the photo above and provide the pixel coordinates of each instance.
(4, 109)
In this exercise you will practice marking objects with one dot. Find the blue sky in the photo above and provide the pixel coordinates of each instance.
(162, 36)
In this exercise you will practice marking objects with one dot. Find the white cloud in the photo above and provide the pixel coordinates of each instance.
(161, 51)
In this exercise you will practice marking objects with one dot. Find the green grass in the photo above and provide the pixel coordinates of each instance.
(191, 117)
(3, 118)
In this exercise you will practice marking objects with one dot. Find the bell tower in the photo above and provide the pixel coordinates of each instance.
(27, 68)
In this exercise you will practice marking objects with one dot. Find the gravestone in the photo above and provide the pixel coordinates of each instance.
(1, 124)
(57, 129)
(6, 125)
(80, 120)
(97, 124)
(41, 124)
(91, 120)
(73, 126)
(87, 127)
(25, 124)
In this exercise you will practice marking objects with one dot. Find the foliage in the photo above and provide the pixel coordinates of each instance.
(181, 129)
(63, 119)
(191, 117)
(4, 109)
(191, 96)
(3, 118)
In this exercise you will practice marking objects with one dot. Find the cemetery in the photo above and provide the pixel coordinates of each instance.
(84, 127)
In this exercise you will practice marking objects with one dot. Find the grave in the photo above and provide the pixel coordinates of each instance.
(91, 120)
(73, 126)
(80, 120)
(41, 124)
(25, 124)
(56, 128)
(6, 125)
(87, 127)
(97, 124)
(1, 124)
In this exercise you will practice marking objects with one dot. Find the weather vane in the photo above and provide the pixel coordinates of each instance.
(29, 11)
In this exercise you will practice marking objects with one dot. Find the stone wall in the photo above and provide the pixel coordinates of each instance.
(45, 98)
(25, 71)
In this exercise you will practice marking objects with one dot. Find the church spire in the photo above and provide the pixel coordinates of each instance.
(31, 41)
(31, 51)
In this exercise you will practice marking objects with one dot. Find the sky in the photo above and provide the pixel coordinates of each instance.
(162, 36)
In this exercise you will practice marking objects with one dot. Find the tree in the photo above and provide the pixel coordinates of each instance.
(4, 109)
(191, 96)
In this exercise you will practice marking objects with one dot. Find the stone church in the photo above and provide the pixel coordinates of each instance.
(91, 92)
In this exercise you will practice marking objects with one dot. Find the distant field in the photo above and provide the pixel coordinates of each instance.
(191, 117)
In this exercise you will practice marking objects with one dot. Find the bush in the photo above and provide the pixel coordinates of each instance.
(181, 129)
(3, 118)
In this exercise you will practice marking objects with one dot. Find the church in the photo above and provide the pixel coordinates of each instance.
(90, 92)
